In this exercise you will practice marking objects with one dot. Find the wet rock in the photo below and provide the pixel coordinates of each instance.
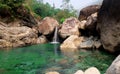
(79, 72)
(71, 42)
(16, 36)
(87, 11)
(47, 25)
(109, 25)
(92, 70)
(70, 27)
(52, 72)
(115, 67)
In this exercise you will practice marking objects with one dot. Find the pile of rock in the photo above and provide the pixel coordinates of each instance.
(72, 30)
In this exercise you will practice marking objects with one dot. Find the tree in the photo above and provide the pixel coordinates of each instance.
(66, 5)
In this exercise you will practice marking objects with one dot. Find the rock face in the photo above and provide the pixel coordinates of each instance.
(47, 25)
(109, 25)
(16, 36)
(87, 11)
(115, 67)
(70, 27)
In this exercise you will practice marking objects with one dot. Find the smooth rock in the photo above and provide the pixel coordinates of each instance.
(54, 72)
(70, 27)
(79, 72)
(92, 70)
(71, 42)
(47, 25)
(42, 39)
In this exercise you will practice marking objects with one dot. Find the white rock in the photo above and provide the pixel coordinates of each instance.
(79, 72)
(92, 70)
(54, 72)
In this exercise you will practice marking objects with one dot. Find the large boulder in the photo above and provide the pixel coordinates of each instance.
(16, 36)
(109, 25)
(71, 42)
(115, 67)
(70, 27)
(47, 25)
(87, 11)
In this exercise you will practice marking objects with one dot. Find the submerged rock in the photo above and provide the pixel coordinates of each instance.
(70, 27)
(47, 25)
(109, 25)
(115, 67)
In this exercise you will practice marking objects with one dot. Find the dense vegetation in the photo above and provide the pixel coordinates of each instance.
(10, 8)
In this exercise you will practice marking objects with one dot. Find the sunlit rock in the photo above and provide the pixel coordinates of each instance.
(42, 39)
(71, 42)
(70, 27)
(47, 25)
(54, 72)
(79, 72)
(16, 36)
(92, 70)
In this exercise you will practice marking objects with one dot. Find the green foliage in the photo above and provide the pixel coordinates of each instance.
(63, 14)
(44, 10)
(9, 7)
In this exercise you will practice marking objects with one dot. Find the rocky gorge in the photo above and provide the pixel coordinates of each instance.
(94, 30)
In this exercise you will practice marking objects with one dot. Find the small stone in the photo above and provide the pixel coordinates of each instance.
(92, 70)
(79, 72)
(54, 72)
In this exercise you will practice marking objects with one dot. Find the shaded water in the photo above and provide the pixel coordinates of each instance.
(39, 59)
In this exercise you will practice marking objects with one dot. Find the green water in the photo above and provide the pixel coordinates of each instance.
(39, 59)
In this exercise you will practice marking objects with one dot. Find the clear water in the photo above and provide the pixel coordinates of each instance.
(39, 59)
